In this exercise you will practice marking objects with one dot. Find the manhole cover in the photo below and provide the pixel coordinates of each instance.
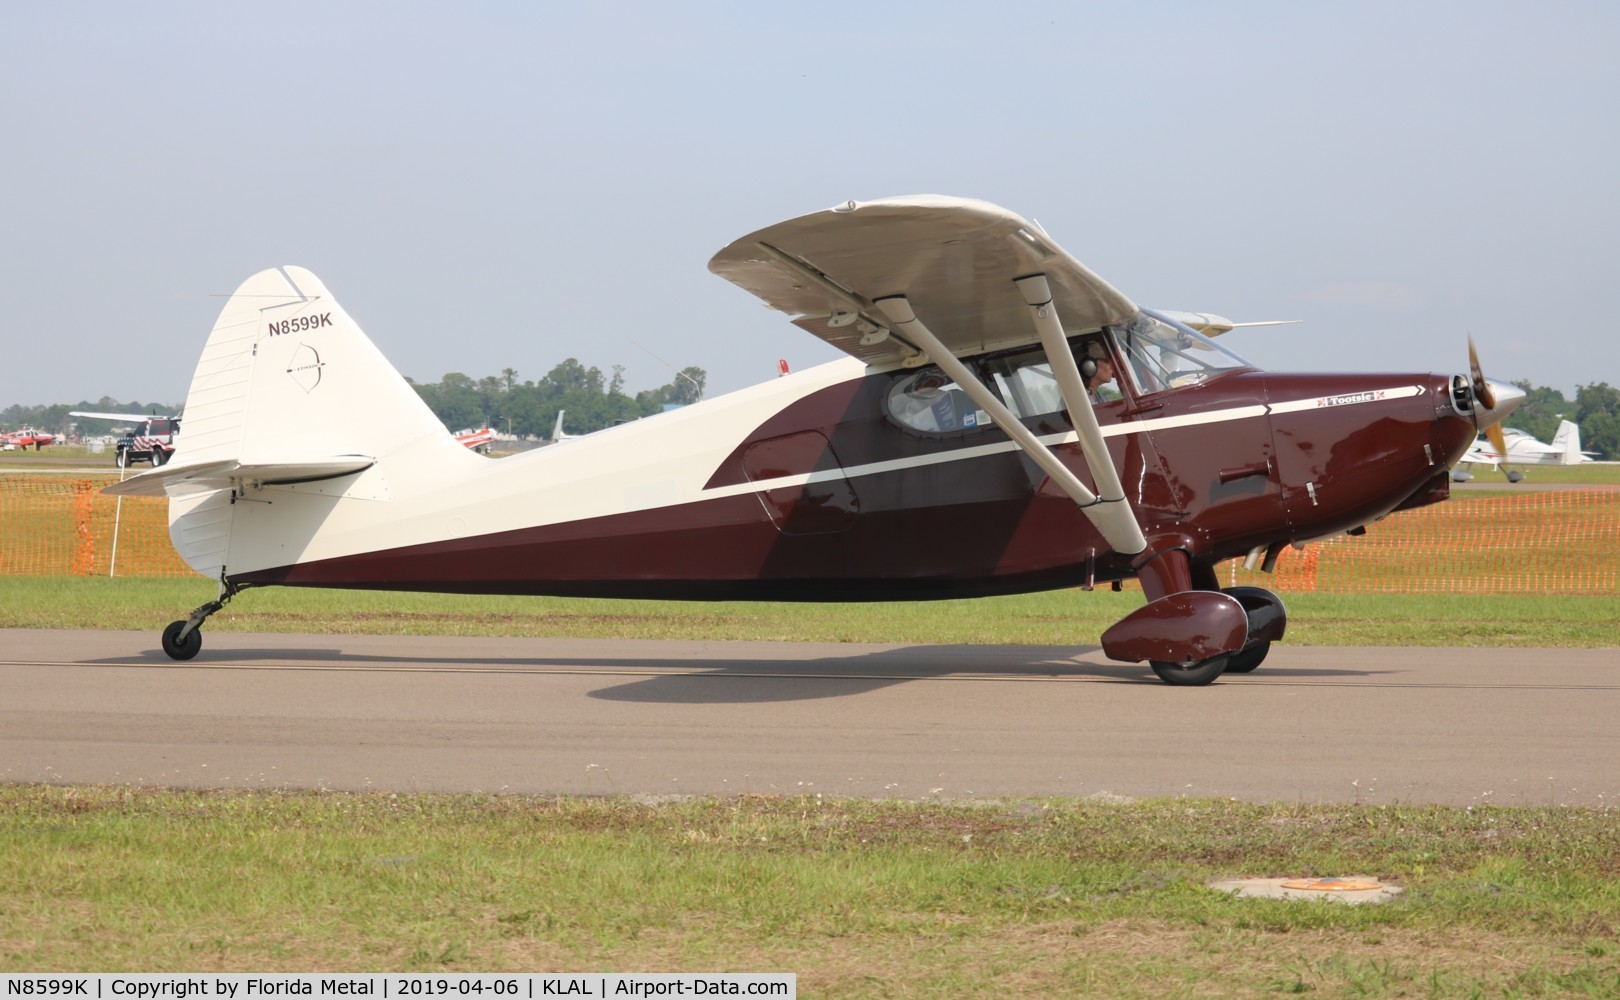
(1332, 884)
(1352, 889)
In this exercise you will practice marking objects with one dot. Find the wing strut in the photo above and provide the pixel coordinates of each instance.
(1116, 523)
(1043, 311)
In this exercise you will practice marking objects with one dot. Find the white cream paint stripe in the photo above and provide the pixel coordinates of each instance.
(1069, 437)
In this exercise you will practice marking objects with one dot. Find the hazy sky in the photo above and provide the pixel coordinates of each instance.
(494, 185)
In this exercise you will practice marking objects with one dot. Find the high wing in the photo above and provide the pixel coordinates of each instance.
(931, 278)
(955, 254)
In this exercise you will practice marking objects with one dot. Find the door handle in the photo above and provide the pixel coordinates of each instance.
(1243, 472)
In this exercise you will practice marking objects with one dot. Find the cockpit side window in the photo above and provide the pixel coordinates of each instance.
(928, 401)
(1155, 353)
(1026, 382)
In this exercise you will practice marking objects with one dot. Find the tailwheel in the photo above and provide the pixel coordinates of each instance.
(1194, 675)
(1244, 662)
(180, 648)
(182, 640)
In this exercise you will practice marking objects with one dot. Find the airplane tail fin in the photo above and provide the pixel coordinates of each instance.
(288, 389)
(1568, 442)
(556, 431)
(287, 373)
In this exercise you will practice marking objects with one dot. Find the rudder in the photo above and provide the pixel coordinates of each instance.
(1568, 441)
(286, 374)
(288, 389)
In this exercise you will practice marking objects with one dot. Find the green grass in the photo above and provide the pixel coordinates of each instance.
(1590, 474)
(890, 899)
(858, 898)
(75, 454)
(1066, 617)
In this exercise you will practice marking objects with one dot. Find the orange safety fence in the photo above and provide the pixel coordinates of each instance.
(63, 525)
(1562, 542)
(1532, 542)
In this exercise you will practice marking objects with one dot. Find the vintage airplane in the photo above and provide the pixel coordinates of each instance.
(1521, 448)
(957, 452)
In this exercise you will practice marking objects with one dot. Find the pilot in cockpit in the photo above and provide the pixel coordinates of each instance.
(1097, 369)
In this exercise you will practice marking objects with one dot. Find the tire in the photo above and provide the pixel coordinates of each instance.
(1246, 661)
(122, 458)
(159, 457)
(1197, 675)
(178, 650)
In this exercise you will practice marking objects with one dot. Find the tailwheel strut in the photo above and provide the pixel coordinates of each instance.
(182, 640)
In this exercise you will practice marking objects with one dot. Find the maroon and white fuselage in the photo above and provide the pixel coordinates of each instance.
(955, 453)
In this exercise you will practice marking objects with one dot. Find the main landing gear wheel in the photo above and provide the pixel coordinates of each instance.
(1196, 675)
(178, 648)
(1246, 661)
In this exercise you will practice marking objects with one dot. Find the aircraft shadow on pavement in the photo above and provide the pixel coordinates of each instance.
(748, 681)
(839, 677)
(765, 681)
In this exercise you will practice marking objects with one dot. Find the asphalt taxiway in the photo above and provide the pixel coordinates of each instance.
(655, 718)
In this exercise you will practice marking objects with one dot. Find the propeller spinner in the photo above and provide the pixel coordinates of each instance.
(1493, 401)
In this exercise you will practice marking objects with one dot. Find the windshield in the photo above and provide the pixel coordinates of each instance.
(1162, 354)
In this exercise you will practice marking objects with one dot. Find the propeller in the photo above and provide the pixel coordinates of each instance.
(1493, 401)
(1482, 388)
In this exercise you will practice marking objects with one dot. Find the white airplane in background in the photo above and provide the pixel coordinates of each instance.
(1520, 448)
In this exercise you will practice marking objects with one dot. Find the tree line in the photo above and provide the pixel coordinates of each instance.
(54, 417)
(1595, 410)
(593, 401)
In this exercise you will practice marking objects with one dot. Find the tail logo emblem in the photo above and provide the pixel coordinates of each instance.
(305, 368)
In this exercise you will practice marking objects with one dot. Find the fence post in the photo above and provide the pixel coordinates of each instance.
(118, 516)
(84, 547)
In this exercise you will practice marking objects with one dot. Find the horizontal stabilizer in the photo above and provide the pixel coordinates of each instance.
(179, 478)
